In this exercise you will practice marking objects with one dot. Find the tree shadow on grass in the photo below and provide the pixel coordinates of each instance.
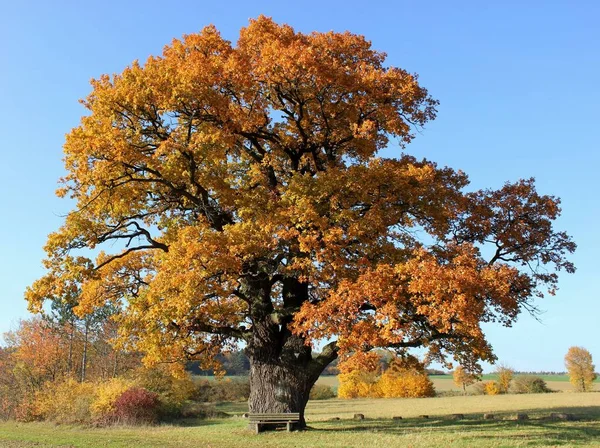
(539, 430)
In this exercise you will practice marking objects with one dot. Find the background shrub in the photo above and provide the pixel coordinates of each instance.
(65, 402)
(222, 390)
(26, 410)
(136, 406)
(394, 382)
(9, 400)
(492, 388)
(103, 407)
(406, 384)
(172, 391)
(529, 384)
(505, 376)
(321, 392)
(358, 384)
(478, 389)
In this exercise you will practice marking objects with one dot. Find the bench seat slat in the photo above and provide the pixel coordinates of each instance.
(275, 416)
(274, 419)
(297, 414)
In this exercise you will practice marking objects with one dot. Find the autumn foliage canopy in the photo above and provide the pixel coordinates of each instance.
(234, 194)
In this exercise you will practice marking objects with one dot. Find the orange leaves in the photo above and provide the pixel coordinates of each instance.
(462, 378)
(216, 174)
(39, 350)
(416, 303)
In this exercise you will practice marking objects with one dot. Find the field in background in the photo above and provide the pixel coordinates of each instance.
(445, 383)
(378, 430)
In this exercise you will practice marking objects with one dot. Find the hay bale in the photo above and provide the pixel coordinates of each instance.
(457, 416)
(522, 417)
(488, 416)
(359, 416)
(396, 417)
(245, 415)
(423, 416)
(562, 416)
(334, 419)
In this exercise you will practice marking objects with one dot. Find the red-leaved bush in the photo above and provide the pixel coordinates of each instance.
(136, 406)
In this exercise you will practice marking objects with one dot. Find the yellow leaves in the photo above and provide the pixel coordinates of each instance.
(215, 163)
(462, 378)
(491, 388)
(360, 379)
(105, 395)
(578, 362)
(366, 129)
(358, 384)
(62, 401)
(505, 377)
(66, 273)
(406, 384)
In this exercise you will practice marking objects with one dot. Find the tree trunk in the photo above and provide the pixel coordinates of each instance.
(282, 367)
(115, 364)
(85, 350)
(71, 340)
(278, 388)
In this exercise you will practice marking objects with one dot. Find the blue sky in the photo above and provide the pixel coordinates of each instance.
(519, 93)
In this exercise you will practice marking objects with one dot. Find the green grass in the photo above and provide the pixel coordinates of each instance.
(378, 430)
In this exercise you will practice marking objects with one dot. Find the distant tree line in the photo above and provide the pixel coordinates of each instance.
(234, 363)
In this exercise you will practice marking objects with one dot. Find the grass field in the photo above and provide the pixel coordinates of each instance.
(377, 430)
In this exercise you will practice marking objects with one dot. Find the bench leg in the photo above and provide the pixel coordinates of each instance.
(289, 426)
(257, 428)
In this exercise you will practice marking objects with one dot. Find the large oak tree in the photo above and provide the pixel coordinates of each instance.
(238, 198)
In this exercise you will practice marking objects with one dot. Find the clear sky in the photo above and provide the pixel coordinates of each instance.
(518, 84)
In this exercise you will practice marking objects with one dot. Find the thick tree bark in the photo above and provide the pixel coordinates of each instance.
(279, 388)
(282, 367)
(281, 384)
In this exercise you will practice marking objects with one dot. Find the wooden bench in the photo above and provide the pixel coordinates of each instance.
(257, 420)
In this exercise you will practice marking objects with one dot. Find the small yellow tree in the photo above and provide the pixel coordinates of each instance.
(578, 362)
(462, 378)
(505, 376)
